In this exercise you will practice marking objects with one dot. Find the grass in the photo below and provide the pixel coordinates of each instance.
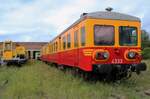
(36, 80)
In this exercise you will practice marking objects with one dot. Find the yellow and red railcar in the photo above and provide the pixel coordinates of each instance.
(45, 52)
(99, 42)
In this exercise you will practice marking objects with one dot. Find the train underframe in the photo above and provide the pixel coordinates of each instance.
(15, 61)
(118, 71)
(83, 62)
(106, 72)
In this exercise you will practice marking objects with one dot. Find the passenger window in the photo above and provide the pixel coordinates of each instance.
(76, 39)
(59, 44)
(49, 49)
(83, 36)
(68, 41)
(56, 46)
(53, 47)
(64, 43)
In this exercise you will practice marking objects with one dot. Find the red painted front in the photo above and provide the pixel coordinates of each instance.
(77, 58)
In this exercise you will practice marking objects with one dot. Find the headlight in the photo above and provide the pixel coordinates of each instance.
(102, 55)
(105, 55)
(131, 55)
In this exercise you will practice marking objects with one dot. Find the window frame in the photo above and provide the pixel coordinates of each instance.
(8, 46)
(106, 26)
(136, 28)
(68, 40)
(83, 35)
(64, 42)
(56, 46)
(53, 47)
(76, 38)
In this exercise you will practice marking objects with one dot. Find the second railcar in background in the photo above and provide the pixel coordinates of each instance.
(102, 43)
(15, 56)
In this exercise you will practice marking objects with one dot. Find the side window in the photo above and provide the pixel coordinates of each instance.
(59, 44)
(49, 48)
(53, 47)
(64, 43)
(83, 36)
(56, 46)
(76, 39)
(68, 41)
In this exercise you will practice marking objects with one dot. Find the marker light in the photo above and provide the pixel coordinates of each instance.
(102, 55)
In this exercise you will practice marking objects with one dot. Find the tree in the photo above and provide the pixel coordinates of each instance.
(145, 35)
(145, 39)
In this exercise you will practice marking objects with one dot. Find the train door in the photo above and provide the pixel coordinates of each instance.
(59, 45)
(76, 46)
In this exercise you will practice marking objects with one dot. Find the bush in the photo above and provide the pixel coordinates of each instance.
(146, 53)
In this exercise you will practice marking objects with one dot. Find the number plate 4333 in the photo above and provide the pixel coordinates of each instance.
(117, 61)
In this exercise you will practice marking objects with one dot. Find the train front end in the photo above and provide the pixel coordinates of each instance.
(115, 45)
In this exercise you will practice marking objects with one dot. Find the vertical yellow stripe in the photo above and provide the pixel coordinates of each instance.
(116, 36)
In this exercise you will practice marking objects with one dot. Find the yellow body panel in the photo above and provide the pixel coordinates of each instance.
(47, 50)
(116, 23)
(89, 34)
(20, 50)
(7, 50)
(7, 55)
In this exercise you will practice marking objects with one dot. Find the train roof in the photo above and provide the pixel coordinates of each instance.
(109, 15)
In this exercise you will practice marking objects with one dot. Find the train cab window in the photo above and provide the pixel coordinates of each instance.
(68, 41)
(7, 46)
(64, 43)
(127, 36)
(82, 36)
(103, 35)
(76, 39)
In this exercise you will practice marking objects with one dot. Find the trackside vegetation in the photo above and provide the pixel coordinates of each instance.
(145, 44)
(37, 80)
(146, 53)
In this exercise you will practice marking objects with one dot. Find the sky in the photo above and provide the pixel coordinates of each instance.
(42, 20)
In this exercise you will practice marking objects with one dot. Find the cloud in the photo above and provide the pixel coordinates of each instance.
(61, 18)
(42, 16)
(43, 20)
